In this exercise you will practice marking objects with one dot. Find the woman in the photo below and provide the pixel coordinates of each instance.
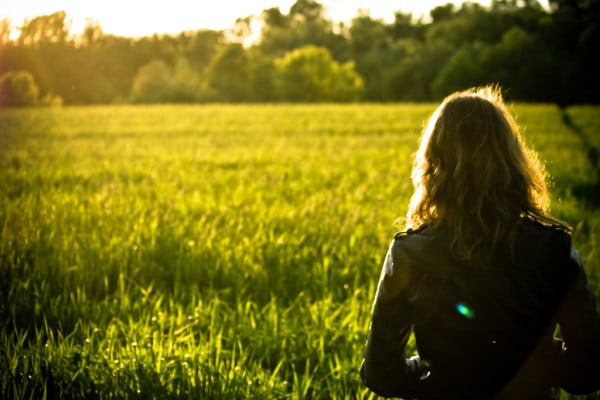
(483, 275)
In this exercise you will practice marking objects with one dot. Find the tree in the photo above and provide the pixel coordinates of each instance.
(274, 18)
(462, 71)
(152, 83)
(242, 30)
(370, 51)
(442, 13)
(507, 62)
(403, 27)
(91, 33)
(574, 32)
(310, 74)
(18, 89)
(155, 82)
(202, 47)
(367, 33)
(227, 73)
(186, 86)
(306, 10)
(276, 34)
(261, 85)
(45, 29)
(4, 31)
(305, 25)
(411, 78)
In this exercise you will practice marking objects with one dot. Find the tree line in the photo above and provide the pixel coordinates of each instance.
(536, 54)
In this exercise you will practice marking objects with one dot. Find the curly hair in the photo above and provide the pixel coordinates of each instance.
(474, 175)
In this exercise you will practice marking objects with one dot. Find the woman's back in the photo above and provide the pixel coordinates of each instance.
(483, 331)
(493, 318)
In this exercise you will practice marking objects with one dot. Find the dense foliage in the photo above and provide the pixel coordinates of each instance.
(537, 54)
(18, 88)
(219, 251)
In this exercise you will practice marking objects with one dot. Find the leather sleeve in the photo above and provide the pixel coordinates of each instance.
(579, 323)
(385, 369)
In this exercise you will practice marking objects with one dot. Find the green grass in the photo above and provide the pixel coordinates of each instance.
(586, 119)
(215, 251)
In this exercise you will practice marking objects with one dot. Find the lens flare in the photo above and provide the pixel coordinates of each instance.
(464, 310)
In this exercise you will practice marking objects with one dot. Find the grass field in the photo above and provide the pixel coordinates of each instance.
(219, 251)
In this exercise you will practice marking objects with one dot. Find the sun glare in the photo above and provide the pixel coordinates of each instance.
(137, 18)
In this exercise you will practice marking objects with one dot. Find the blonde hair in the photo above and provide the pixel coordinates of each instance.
(474, 175)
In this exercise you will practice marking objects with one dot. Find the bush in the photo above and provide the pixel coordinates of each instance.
(310, 74)
(152, 83)
(18, 89)
(156, 82)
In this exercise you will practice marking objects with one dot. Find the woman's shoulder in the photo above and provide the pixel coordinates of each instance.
(529, 227)
(544, 247)
(421, 243)
(421, 230)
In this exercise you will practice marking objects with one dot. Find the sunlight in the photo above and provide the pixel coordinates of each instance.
(141, 18)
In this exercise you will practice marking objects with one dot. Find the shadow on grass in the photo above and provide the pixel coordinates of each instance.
(588, 192)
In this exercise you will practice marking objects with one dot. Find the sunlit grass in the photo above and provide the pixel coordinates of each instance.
(213, 251)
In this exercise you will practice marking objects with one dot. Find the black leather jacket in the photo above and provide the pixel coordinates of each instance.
(483, 332)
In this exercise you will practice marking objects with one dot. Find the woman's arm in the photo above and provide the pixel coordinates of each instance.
(385, 369)
(579, 323)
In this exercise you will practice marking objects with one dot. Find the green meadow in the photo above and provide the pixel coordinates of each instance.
(220, 251)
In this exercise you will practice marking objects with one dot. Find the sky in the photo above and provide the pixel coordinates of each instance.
(135, 18)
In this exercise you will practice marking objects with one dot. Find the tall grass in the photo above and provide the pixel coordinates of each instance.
(213, 251)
